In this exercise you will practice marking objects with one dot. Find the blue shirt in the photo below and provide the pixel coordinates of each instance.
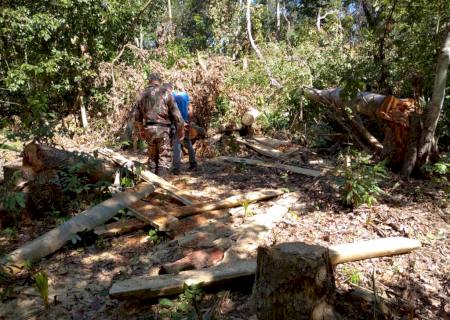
(182, 100)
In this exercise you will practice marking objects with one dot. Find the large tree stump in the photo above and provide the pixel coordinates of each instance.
(294, 281)
(42, 157)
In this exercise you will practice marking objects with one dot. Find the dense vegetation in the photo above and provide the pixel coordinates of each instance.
(55, 55)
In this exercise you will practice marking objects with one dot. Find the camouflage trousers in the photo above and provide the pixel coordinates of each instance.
(159, 148)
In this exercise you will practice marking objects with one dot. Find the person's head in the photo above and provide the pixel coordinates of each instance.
(179, 85)
(168, 87)
(154, 79)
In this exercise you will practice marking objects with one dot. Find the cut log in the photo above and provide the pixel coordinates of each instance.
(85, 221)
(158, 218)
(260, 148)
(164, 285)
(41, 157)
(146, 175)
(234, 201)
(250, 116)
(271, 142)
(295, 169)
(148, 287)
(294, 281)
(120, 227)
(372, 249)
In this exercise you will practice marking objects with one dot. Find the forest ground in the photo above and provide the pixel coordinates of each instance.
(80, 277)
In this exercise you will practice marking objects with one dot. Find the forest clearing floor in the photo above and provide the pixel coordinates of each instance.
(80, 276)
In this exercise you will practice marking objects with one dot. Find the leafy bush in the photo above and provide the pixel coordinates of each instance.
(358, 182)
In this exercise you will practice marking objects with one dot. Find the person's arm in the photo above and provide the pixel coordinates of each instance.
(176, 116)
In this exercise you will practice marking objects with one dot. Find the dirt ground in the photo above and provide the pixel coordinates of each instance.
(418, 283)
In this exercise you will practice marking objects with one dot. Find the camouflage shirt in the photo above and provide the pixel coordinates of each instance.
(156, 105)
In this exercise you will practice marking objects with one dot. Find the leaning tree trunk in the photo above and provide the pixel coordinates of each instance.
(294, 281)
(427, 143)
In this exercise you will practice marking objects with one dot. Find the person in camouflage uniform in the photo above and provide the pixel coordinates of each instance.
(157, 111)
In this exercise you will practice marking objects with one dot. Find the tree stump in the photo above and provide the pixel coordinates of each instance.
(294, 281)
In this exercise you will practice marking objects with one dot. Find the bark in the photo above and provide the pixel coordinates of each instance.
(431, 119)
(294, 281)
(85, 221)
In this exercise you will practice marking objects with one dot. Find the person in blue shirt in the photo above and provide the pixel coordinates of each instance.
(183, 102)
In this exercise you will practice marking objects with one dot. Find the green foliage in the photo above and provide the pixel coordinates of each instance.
(439, 170)
(186, 304)
(352, 274)
(358, 183)
(13, 202)
(248, 212)
(153, 236)
(41, 283)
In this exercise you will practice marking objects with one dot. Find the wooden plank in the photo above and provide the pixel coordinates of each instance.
(234, 201)
(259, 163)
(164, 285)
(120, 227)
(372, 249)
(148, 287)
(146, 175)
(87, 220)
(152, 215)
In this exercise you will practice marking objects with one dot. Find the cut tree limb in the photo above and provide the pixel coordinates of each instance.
(304, 171)
(146, 175)
(372, 249)
(148, 287)
(85, 221)
(271, 142)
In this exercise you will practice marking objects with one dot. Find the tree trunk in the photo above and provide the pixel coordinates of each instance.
(250, 116)
(294, 281)
(273, 81)
(427, 141)
(278, 20)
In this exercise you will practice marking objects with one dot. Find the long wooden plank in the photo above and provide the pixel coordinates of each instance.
(147, 287)
(164, 285)
(304, 171)
(146, 175)
(87, 220)
(234, 201)
(120, 227)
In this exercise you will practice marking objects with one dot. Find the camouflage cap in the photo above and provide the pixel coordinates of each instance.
(154, 77)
